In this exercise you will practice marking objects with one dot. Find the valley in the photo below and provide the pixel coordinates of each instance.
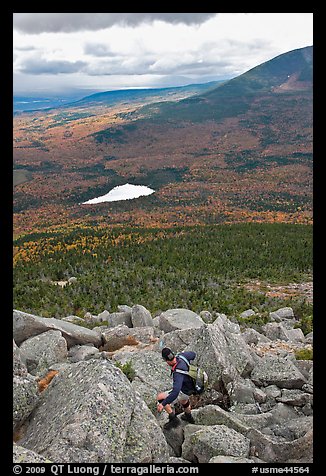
(237, 152)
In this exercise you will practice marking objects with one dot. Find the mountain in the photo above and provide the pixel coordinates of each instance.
(289, 72)
(239, 151)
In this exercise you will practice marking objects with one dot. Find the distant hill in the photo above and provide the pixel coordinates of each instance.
(286, 73)
(130, 95)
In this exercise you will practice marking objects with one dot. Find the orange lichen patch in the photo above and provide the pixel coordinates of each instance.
(44, 382)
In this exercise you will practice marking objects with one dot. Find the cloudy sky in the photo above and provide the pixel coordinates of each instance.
(57, 53)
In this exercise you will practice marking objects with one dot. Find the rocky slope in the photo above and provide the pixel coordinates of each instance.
(88, 395)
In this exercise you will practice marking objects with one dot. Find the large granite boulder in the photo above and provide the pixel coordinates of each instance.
(43, 350)
(27, 325)
(91, 414)
(275, 370)
(203, 443)
(174, 319)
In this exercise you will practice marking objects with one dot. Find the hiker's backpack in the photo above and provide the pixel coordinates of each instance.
(199, 376)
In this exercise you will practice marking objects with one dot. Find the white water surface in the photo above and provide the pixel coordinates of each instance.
(122, 192)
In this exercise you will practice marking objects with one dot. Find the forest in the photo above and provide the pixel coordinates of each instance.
(196, 267)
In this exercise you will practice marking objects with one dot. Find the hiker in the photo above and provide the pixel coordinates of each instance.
(183, 387)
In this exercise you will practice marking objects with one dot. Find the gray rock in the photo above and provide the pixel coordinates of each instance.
(174, 319)
(87, 413)
(122, 335)
(282, 313)
(103, 316)
(174, 459)
(25, 389)
(73, 319)
(23, 455)
(273, 451)
(295, 397)
(206, 316)
(27, 325)
(124, 308)
(274, 370)
(239, 354)
(81, 352)
(140, 316)
(247, 313)
(211, 415)
(177, 340)
(217, 440)
(304, 366)
(226, 325)
(251, 336)
(309, 338)
(152, 375)
(275, 331)
(141, 446)
(43, 350)
(244, 391)
(119, 318)
(19, 362)
(25, 397)
(293, 429)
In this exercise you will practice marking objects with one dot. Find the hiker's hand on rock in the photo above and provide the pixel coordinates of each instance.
(159, 407)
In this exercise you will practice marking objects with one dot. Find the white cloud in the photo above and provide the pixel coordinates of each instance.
(130, 53)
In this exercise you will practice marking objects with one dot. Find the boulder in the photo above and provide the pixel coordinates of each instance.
(211, 415)
(282, 313)
(295, 397)
(271, 450)
(293, 429)
(177, 340)
(251, 336)
(140, 316)
(82, 352)
(202, 444)
(174, 319)
(119, 318)
(275, 370)
(226, 325)
(27, 325)
(43, 350)
(239, 354)
(122, 335)
(91, 414)
(152, 375)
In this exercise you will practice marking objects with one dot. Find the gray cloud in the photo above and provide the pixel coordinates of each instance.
(98, 49)
(25, 48)
(42, 66)
(69, 22)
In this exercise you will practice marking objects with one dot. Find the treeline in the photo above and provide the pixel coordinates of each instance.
(199, 268)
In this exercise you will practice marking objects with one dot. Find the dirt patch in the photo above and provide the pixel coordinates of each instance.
(298, 290)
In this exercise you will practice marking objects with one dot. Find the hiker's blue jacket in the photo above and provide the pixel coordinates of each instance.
(181, 382)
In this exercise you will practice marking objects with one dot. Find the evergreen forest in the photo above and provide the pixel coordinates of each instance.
(197, 267)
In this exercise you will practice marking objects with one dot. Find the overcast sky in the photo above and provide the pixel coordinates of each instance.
(56, 53)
